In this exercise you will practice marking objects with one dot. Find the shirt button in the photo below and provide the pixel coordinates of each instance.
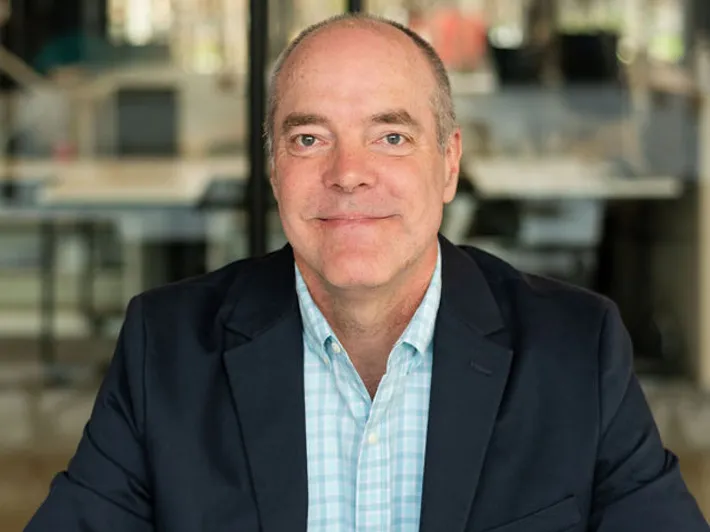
(372, 439)
(336, 348)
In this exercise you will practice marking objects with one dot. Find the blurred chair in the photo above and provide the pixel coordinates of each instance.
(588, 58)
(147, 122)
(147, 126)
(593, 92)
(517, 66)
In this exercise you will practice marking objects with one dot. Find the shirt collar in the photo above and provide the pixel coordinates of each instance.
(315, 327)
(419, 332)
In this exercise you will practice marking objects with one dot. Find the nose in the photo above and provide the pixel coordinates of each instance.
(349, 169)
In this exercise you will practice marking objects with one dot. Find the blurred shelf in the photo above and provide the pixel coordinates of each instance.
(22, 323)
(20, 288)
(562, 178)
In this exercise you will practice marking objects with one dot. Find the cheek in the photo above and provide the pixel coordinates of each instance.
(422, 191)
(297, 203)
(290, 205)
(290, 191)
(298, 183)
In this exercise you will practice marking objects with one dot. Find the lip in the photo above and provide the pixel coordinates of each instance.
(353, 218)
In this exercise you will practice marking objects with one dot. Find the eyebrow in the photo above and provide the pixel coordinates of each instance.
(294, 120)
(397, 117)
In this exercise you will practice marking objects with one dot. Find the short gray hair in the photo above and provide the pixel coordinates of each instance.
(442, 101)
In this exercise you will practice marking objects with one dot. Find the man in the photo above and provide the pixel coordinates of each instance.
(371, 376)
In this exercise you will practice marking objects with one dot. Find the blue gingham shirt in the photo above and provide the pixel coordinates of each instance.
(366, 458)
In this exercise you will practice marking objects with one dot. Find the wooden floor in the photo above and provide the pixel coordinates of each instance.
(696, 471)
(23, 485)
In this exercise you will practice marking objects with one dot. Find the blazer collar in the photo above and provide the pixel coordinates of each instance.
(262, 294)
(466, 292)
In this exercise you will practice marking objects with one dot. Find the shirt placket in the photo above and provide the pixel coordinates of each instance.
(374, 478)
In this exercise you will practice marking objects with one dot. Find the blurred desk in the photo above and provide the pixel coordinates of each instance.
(21, 180)
(153, 200)
(561, 178)
(23, 170)
(136, 184)
(148, 198)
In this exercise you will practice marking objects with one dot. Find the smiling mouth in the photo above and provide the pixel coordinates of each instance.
(354, 219)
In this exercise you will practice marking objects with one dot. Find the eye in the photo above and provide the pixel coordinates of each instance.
(305, 140)
(394, 139)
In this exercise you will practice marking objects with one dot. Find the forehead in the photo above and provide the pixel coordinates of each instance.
(356, 66)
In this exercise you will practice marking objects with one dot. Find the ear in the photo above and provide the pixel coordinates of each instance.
(452, 162)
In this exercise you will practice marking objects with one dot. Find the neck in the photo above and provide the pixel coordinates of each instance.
(369, 321)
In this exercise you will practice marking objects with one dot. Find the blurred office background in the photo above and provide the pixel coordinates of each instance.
(130, 156)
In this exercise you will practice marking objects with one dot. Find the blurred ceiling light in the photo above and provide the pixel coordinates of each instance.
(139, 28)
(507, 37)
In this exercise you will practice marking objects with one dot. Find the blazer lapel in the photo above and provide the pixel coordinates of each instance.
(264, 364)
(472, 359)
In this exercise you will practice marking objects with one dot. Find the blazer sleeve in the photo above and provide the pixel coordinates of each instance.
(638, 485)
(106, 485)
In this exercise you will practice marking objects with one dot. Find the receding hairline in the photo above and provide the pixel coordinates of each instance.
(371, 23)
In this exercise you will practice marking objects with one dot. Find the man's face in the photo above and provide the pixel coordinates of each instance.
(358, 174)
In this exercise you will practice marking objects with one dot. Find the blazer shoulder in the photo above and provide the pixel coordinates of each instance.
(213, 285)
(515, 288)
(198, 301)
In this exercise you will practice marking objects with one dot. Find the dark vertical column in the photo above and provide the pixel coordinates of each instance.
(95, 18)
(355, 6)
(256, 111)
(701, 17)
(6, 188)
(15, 37)
(5, 82)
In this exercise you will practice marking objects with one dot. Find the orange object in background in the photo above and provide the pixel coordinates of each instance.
(459, 38)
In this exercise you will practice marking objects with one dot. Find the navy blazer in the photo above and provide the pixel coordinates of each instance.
(537, 422)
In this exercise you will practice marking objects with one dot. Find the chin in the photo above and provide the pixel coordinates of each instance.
(357, 268)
